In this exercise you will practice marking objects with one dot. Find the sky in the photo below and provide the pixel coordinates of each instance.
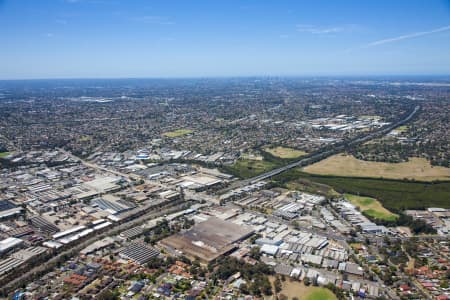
(194, 38)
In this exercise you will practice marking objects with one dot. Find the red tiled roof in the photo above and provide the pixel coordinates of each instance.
(404, 287)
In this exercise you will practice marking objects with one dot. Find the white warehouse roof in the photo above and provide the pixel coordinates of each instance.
(9, 243)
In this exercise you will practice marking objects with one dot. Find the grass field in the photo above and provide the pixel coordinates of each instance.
(283, 152)
(4, 154)
(401, 129)
(345, 165)
(318, 293)
(177, 133)
(85, 138)
(297, 289)
(355, 246)
(246, 168)
(251, 156)
(372, 207)
(393, 194)
(311, 187)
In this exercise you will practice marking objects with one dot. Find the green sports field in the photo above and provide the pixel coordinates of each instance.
(4, 154)
(177, 133)
(371, 207)
(318, 293)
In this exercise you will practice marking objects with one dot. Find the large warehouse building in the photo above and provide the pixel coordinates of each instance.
(208, 240)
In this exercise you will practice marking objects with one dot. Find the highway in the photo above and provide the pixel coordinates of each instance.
(337, 149)
(135, 221)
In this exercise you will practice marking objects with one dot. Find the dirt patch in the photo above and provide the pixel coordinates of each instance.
(347, 165)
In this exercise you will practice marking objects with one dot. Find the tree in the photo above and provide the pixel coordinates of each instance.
(278, 285)
(107, 295)
(255, 237)
(154, 263)
(244, 289)
(266, 287)
(254, 289)
(255, 253)
(307, 281)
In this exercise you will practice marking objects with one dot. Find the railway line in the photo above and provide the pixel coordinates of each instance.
(319, 156)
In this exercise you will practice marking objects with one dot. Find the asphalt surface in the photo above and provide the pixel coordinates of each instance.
(47, 266)
(322, 155)
(116, 229)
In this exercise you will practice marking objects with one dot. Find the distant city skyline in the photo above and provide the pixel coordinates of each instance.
(132, 39)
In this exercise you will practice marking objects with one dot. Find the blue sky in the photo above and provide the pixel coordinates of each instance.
(188, 38)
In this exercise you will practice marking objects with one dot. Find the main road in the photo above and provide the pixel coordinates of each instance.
(324, 154)
(75, 248)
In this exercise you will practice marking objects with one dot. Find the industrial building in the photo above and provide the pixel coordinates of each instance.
(138, 252)
(8, 210)
(9, 243)
(208, 240)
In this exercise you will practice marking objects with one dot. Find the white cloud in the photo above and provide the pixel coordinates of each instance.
(407, 36)
(312, 29)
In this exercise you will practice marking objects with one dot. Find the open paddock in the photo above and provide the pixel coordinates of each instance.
(345, 165)
(284, 152)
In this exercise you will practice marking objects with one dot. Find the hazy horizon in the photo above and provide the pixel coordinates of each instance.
(227, 77)
(73, 39)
